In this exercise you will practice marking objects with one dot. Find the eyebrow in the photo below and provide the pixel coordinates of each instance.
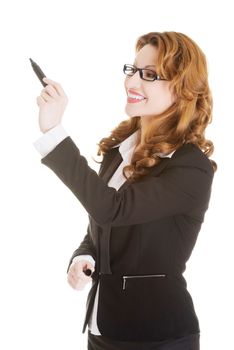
(149, 65)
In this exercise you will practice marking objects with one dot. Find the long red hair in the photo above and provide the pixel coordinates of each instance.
(181, 61)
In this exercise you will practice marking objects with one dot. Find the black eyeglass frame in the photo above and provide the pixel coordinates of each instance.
(157, 77)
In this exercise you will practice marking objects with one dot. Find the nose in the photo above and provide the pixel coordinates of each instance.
(133, 81)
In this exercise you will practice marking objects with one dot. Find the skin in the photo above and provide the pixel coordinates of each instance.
(52, 103)
(158, 94)
(76, 277)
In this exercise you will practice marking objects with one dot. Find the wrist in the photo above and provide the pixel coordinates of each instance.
(46, 130)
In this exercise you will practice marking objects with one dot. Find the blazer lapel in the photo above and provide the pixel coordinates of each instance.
(110, 163)
(154, 171)
(108, 167)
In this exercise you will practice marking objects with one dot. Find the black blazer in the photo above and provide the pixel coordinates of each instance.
(140, 237)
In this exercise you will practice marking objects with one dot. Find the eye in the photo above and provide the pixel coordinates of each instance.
(150, 74)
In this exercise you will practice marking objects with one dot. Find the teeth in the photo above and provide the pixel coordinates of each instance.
(136, 97)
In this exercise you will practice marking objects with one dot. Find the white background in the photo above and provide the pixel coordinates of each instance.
(83, 47)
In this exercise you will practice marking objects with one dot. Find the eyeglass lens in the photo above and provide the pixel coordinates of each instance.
(147, 74)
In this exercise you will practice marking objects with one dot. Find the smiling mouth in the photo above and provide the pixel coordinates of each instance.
(135, 100)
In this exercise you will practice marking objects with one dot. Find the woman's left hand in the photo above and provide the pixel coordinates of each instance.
(52, 102)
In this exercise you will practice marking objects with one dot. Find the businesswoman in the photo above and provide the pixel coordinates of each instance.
(147, 203)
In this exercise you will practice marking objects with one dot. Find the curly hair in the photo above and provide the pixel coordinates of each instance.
(183, 63)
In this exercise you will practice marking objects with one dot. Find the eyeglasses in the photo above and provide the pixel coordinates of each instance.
(145, 74)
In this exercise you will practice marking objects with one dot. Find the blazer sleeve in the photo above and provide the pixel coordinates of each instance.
(86, 247)
(181, 187)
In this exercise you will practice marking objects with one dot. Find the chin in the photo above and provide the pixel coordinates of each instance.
(130, 113)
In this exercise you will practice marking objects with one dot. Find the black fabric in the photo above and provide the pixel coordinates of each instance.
(146, 228)
(189, 342)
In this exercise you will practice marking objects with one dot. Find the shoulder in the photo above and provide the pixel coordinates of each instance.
(189, 155)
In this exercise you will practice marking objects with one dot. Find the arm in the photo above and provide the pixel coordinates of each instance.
(181, 188)
(44, 145)
(86, 249)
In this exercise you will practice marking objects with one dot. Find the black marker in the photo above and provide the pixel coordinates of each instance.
(38, 72)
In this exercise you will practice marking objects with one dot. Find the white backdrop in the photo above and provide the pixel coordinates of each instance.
(42, 222)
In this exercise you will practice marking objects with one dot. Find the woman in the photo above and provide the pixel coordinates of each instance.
(147, 204)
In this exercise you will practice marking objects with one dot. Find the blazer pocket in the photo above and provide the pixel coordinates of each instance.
(129, 277)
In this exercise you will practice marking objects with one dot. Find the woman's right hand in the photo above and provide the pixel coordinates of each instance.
(76, 277)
